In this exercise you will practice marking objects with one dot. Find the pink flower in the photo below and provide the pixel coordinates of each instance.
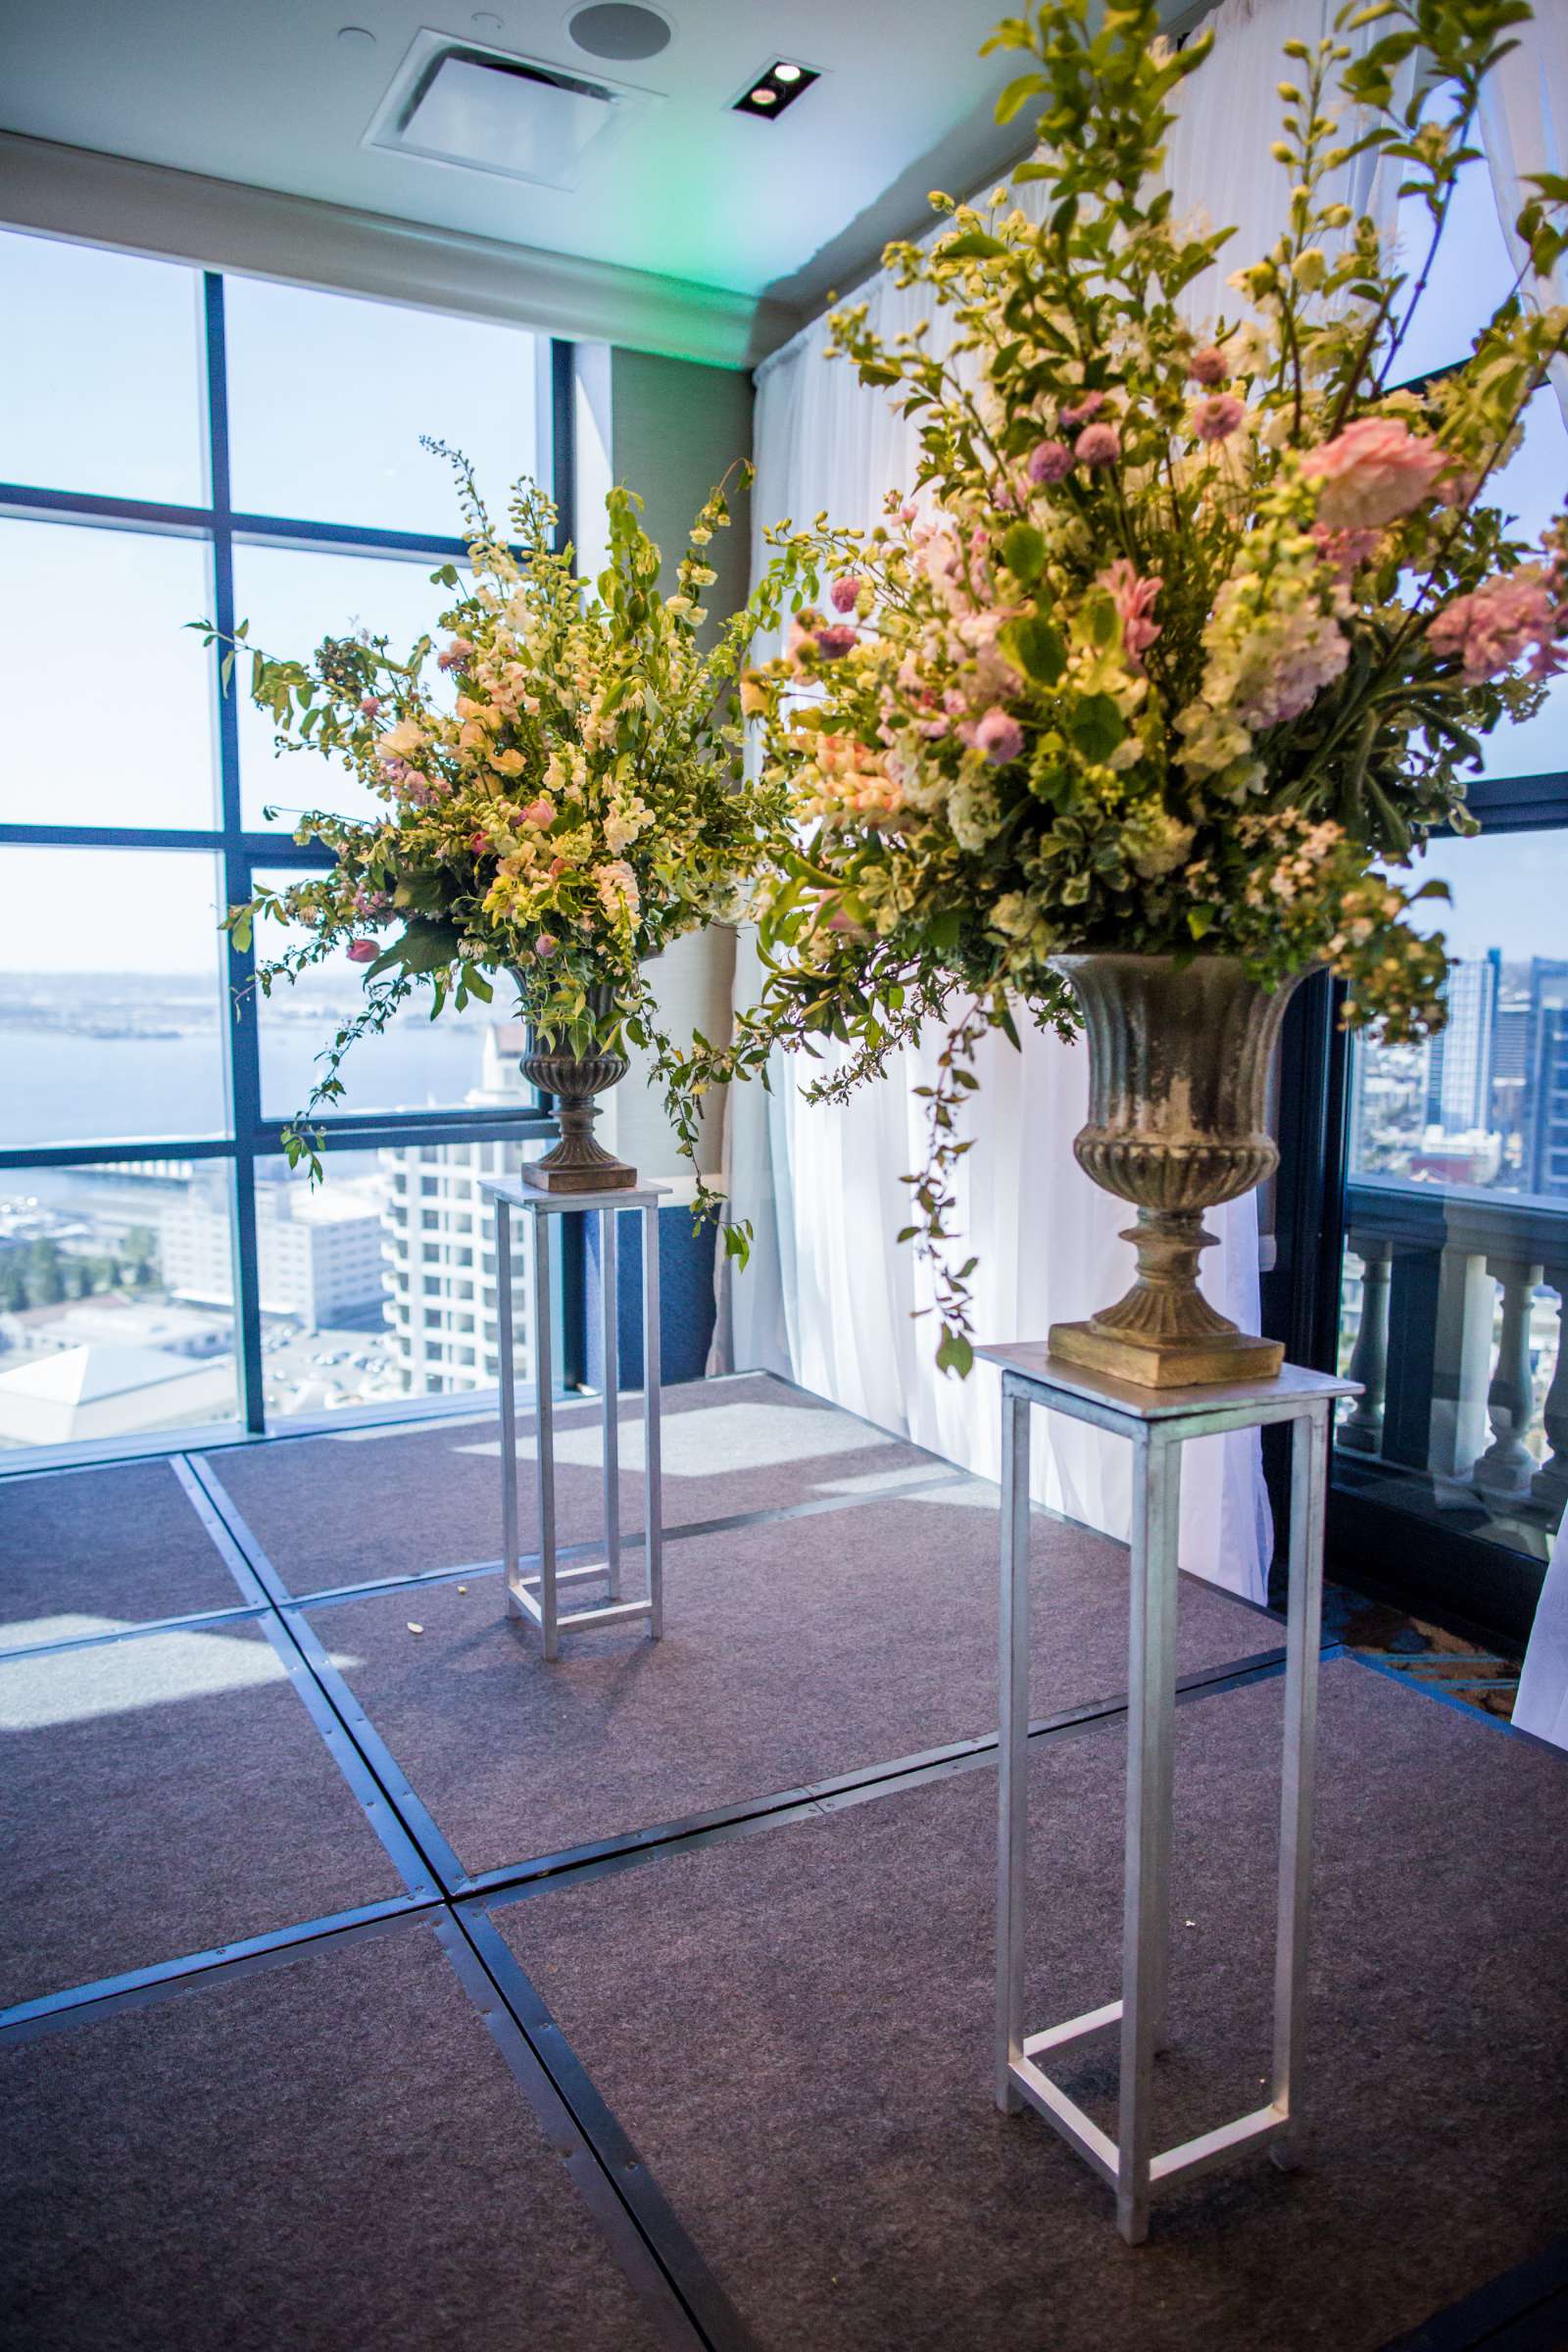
(835, 641)
(545, 945)
(1099, 445)
(1089, 406)
(479, 844)
(1134, 600)
(455, 652)
(1372, 474)
(907, 513)
(837, 920)
(558, 866)
(844, 593)
(1208, 367)
(1051, 462)
(1492, 628)
(799, 638)
(1216, 419)
(363, 950)
(1000, 736)
(1003, 496)
(371, 705)
(1346, 551)
(540, 814)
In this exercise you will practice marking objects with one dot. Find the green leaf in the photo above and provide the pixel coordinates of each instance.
(1018, 93)
(1095, 727)
(1036, 648)
(422, 947)
(974, 245)
(1023, 551)
(956, 1354)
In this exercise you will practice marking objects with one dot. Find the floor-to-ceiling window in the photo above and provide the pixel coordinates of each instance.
(174, 445)
(1452, 1469)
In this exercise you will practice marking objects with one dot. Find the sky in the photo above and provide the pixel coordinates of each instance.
(109, 716)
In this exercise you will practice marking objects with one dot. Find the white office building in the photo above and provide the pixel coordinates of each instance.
(318, 1251)
(439, 1243)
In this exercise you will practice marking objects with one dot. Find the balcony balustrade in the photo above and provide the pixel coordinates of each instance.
(1460, 1382)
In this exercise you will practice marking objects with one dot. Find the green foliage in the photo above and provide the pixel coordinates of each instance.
(1161, 661)
(584, 806)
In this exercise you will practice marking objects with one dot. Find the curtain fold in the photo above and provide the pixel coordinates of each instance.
(830, 1299)
(1524, 128)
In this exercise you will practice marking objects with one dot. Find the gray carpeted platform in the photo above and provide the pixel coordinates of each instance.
(328, 2156)
(85, 1551)
(356, 1506)
(794, 1651)
(795, 2028)
(164, 1794)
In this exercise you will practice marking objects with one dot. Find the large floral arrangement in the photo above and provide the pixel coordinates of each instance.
(1186, 635)
(574, 806)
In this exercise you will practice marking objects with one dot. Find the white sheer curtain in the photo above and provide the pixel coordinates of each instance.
(829, 1296)
(1525, 129)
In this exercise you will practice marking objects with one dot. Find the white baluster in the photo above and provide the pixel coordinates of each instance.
(1506, 1468)
(1549, 1488)
(1361, 1430)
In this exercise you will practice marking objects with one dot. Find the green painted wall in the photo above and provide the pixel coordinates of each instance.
(676, 428)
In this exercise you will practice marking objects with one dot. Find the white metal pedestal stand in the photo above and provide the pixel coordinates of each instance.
(537, 1597)
(1159, 1422)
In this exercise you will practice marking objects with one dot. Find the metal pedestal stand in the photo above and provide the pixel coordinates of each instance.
(1159, 1421)
(537, 1597)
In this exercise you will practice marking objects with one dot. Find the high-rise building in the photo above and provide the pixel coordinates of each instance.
(438, 1243)
(1459, 1059)
(318, 1251)
(1546, 1111)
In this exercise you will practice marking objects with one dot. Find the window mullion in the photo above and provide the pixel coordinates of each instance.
(242, 1059)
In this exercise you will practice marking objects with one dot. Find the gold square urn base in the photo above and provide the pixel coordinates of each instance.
(1167, 1363)
(540, 1177)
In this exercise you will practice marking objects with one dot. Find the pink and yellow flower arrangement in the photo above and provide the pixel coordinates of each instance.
(1187, 634)
(561, 800)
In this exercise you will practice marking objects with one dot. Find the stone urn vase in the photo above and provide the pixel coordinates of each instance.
(1178, 1075)
(578, 1162)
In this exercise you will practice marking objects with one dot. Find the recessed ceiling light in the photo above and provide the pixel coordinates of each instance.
(771, 92)
(619, 30)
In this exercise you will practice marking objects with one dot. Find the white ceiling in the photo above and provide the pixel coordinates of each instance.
(263, 92)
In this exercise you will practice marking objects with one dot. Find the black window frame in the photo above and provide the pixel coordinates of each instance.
(240, 851)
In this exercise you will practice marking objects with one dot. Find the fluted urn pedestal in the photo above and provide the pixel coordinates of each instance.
(1178, 1077)
(578, 1162)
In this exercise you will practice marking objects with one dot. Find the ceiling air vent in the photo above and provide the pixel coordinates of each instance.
(482, 110)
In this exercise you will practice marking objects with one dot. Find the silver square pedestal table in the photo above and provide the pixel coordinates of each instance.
(1159, 1422)
(537, 1598)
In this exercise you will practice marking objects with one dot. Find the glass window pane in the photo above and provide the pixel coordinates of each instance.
(1532, 487)
(103, 1334)
(463, 1060)
(293, 599)
(101, 382)
(1470, 277)
(1457, 1267)
(137, 749)
(111, 1010)
(380, 1282)
(328, 396)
